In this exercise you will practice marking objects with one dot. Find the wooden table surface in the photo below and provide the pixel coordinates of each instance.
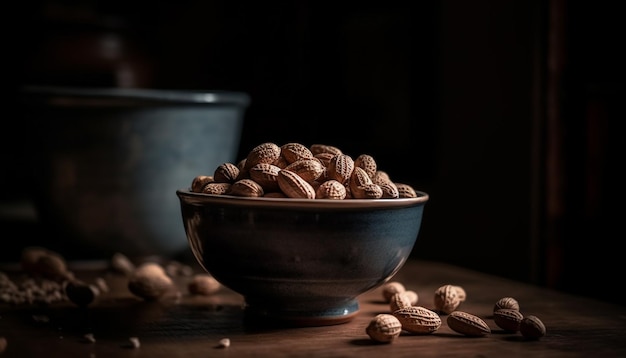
(192, 326)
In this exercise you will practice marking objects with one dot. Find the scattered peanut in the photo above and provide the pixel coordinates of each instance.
(89, 338)
(384, 328)
(418, 320)
(223, 343)
(508, 319)
(531, 327)
(80, 293)
(122, 264)
(39, 261)
(134, 342)
(391, 288)
(399, 300)
(460, 292)
(203, 284)
(506, 302)
(412, 296)
(447, 298)
(467, 324)
(149, 281)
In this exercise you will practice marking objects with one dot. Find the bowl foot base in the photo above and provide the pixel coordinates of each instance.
(256, 313)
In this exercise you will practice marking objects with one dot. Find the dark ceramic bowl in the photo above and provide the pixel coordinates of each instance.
(107, 160)
(297, 260)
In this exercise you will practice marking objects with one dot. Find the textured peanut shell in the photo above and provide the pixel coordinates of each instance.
(266, 175)
(294, 186)
(198, 183)
(216, 188)
(506, 302)
(467, 324)
(508, 319)
(149, 281)
(418, 320)
(389, 189)
(380, 177)
(399, 300)
(531, 327)
(391, 288)
(406, 191)
(367, 163)
(226, 173)
(331, 189)
(446, 299)
(293, 152)
(309, 169)
(247, 188)
(384, 328)
(323, 148)
(262, 153)
(360, 183)
(340, 168)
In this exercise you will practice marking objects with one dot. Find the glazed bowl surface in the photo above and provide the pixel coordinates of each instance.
(105, 162)
(301, 261)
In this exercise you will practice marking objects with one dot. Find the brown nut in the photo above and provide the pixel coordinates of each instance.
(226, 173)
(323, 148)
(384, 328)
(198, 183)
(467, 324)
(531, 327)
(266, 175)
(309, 169)
(331, 189)
(216, 188)
(292, 152)
(294, 186)
(405, 191)
(149, 281)
(418, 320)
(399, 300)
(340, 168)
(247, 188)
(262, 153)
(367, 163)
(391, 288)
(446, 299)
(203, 284)
(81, 293)
(508, 319)
(506, 302)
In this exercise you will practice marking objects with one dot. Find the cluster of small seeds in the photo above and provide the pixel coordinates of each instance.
(42, 282)
(294, 170)
(406, 315)
(46, 279)
(30, 290)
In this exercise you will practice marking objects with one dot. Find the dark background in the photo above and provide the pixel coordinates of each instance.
(508, 113)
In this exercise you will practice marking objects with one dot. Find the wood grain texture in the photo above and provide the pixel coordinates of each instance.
(192, 326)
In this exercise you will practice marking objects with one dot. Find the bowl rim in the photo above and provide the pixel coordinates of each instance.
(189, 197)
(59, 95)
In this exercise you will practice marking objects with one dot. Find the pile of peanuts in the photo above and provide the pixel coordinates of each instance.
(293, 170)
(406, 315)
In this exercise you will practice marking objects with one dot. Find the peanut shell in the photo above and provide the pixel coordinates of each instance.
(418, 320)
(467, 324)
(384, 328)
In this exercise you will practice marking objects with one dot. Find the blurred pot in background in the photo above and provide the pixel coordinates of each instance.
(108, 161)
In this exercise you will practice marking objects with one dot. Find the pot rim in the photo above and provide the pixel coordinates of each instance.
(63, 94)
